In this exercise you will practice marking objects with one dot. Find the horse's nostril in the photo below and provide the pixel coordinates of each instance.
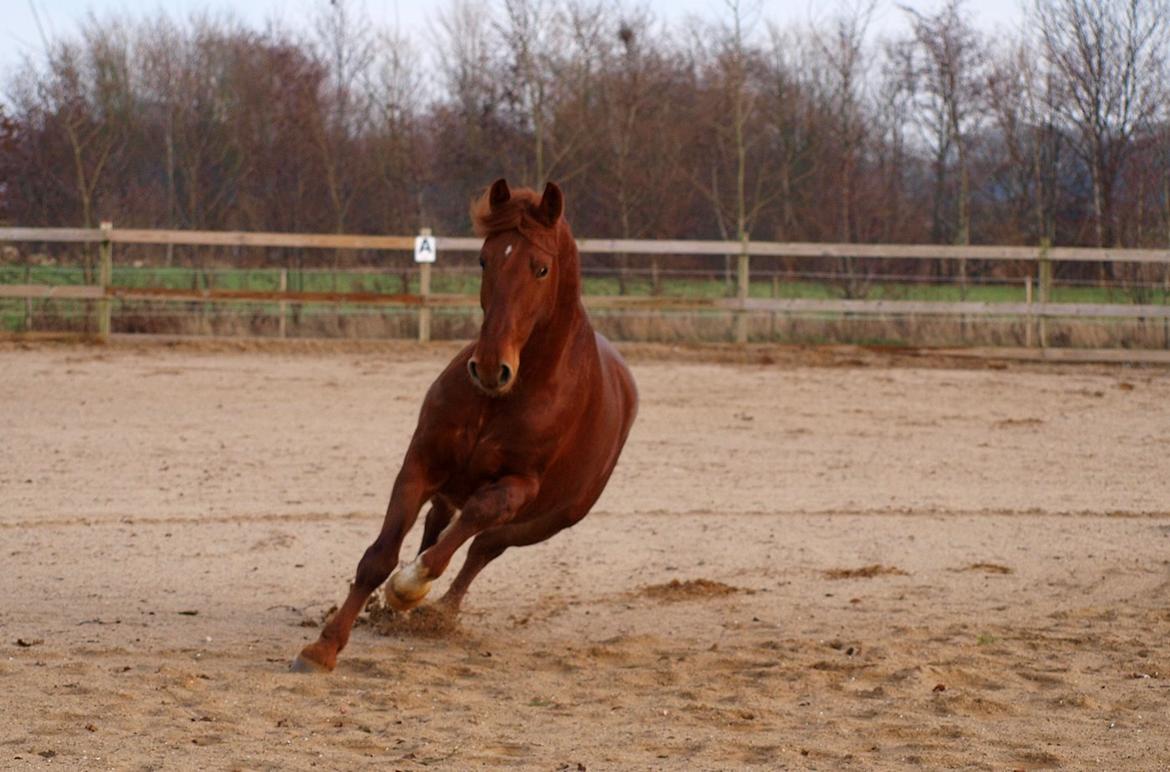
(505, 375)
(473, 370)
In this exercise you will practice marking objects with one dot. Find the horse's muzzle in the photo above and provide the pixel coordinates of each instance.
(493, 383)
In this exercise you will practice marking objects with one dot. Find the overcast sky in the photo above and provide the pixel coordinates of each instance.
(20, 35)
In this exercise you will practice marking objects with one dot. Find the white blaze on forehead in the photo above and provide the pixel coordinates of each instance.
(507, 250)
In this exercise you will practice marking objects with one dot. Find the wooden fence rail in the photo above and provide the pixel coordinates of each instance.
(595, 246)
(740, 306)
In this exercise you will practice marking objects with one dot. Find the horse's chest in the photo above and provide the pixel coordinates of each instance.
(489, 439)
(500, 447)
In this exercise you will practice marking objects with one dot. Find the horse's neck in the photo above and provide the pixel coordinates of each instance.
(567, 332)
(570, 273)
(563, 344)
(563, 334)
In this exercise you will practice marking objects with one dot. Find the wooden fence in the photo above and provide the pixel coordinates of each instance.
(1036, 308)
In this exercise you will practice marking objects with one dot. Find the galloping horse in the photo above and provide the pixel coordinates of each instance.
(519, 434)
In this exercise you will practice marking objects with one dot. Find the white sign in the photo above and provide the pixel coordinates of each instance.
(424, 249)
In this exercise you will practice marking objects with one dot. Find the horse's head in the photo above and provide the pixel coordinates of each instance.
(522, 271)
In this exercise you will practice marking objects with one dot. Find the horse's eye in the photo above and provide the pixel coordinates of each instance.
(542, 271)
(481, 265)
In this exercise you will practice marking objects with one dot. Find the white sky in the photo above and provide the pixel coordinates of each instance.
(19, 35)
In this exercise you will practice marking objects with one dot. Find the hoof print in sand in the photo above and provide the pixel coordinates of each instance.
(691, 589)
(865, 572)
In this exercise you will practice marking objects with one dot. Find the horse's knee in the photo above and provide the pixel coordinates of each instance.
(376, 564)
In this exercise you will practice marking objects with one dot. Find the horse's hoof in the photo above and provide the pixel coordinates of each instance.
(405, 600)
(398, 604)
(408, 587)
(303, 664)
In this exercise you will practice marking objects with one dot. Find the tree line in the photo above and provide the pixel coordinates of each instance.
(738, 129)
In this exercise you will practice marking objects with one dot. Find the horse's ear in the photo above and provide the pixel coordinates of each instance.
(500, 193)
(552, 205)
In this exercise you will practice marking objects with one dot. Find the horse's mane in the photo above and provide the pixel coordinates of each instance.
(520, 212)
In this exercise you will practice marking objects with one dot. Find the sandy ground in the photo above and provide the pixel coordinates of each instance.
(795, 566)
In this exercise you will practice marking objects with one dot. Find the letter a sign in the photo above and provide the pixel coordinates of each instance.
(424, 249)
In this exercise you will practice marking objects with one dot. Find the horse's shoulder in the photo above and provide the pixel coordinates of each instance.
(613, 364)
(448, 408)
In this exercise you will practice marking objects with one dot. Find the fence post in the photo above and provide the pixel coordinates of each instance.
(28, 304)
(742, 273)
(424, 289)
(1045, 288)
(1030, 319)
(283, 303)
(105, 275)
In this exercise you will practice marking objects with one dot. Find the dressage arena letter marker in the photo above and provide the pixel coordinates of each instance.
(424, 249)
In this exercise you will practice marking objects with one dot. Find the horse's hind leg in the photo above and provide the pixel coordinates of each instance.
(492, 543)
(495, 504)
(484, 549)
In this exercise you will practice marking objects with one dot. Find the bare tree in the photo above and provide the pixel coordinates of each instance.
(78, 93)
(637, 152)
(948, 68)
(184, 86)
(734, 184)
(396, 93)
(467, 60)
(531, 33)
(9, 171)
(843, 81)
(468, 118)
(789, 121)
(894, 110)
(1021, 99)
(1109, 59)
(345, 44)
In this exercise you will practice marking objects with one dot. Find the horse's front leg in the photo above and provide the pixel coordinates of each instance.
(412, 488)
(490, 506)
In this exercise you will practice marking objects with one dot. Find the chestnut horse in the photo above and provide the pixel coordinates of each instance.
(519, 434)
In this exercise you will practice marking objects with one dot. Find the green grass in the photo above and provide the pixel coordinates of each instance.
(268, 280)
(40, 274)
(983, 293)
(391, 282)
